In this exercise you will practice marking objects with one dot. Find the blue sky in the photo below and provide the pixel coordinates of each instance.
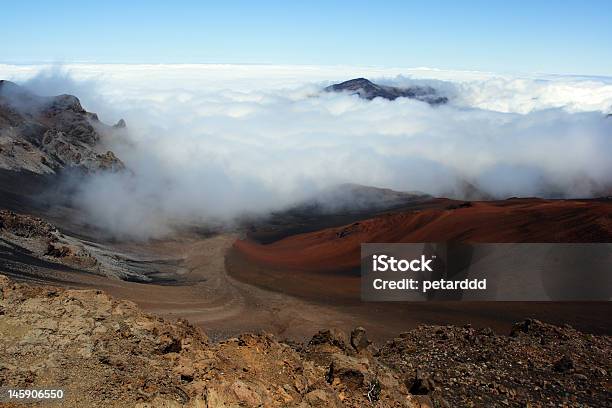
(570, 37)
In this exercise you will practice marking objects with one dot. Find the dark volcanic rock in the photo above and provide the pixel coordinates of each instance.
(46, 134)
(564, 364)
(369, 90)
(537, 365)
(422, 384)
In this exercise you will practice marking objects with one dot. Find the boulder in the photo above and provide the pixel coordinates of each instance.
(246, 394)
(320, 399)
(350, 371)
(359, 339)
(332, 337)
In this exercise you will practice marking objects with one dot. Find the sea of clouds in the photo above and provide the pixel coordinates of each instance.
(215, 142)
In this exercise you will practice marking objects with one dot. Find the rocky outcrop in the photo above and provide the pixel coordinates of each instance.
(106, 352)
(47, 134)
(369, 90)
(44, 241)
(31, 246)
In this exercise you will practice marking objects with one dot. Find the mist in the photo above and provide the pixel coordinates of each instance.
(211, 144)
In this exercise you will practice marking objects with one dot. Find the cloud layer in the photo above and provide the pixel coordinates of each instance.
(214, 142)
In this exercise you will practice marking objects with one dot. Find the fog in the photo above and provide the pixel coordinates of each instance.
(214, 143)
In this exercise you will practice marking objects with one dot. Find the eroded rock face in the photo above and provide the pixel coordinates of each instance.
(105, 352)
(369, 90)
(47, 134)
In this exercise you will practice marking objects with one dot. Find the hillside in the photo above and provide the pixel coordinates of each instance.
(514, 220)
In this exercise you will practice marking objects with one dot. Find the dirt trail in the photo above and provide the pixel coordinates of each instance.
(224, 304)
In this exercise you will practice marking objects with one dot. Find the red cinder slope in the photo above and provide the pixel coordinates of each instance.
(514, 220)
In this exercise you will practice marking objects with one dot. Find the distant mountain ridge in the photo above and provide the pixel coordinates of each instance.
(369, 90)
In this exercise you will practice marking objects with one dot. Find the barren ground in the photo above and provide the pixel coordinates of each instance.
(286, 303)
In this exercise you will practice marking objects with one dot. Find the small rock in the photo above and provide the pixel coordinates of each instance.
(581, 377)
(359, 339)
(245, 394)
(422, 384)
(320, 399)
(351, 371)
(331, 337)
(563, 365)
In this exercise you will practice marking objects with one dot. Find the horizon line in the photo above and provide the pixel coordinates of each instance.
(271, 64)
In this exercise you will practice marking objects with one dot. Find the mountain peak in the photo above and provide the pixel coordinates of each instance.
(369, 90)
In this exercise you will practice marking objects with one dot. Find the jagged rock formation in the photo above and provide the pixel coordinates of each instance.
(107, 353)
(46, 134)
(369, 90)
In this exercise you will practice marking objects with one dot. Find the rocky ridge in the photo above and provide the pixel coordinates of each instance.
(105, 352)
(47, 134)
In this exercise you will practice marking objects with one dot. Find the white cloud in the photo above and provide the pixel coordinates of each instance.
(215, 141)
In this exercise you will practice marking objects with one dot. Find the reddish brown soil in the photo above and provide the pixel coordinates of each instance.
(323, 266)
(515, 220)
